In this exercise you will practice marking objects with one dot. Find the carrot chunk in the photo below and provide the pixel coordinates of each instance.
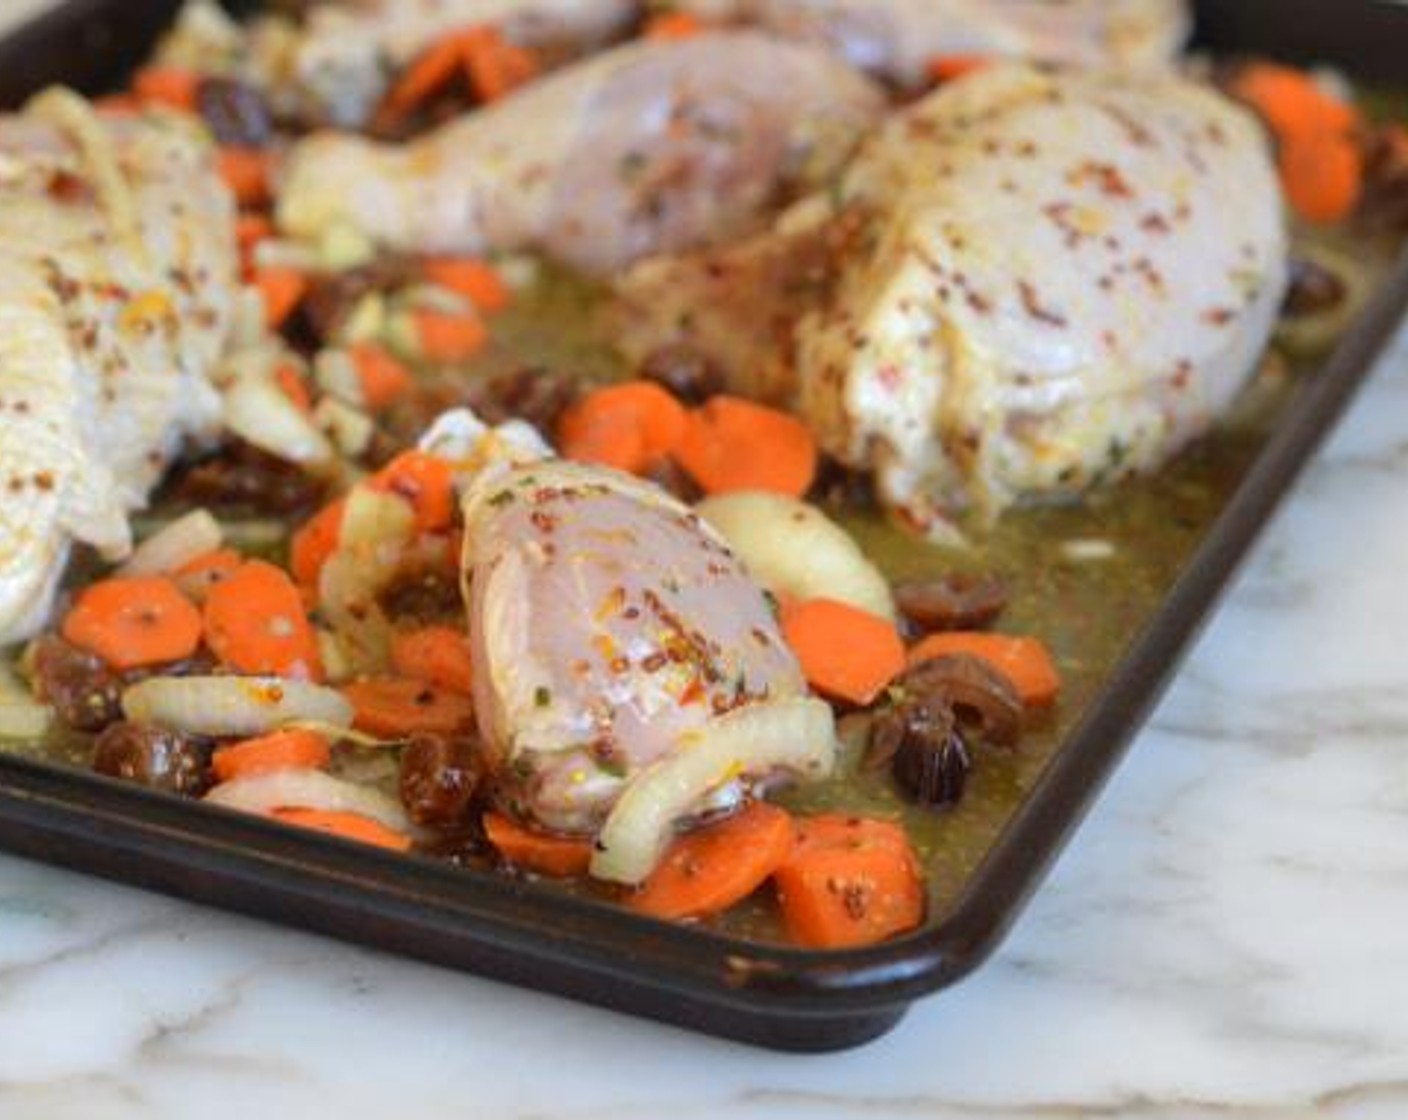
(172, 86)
(134, 621)
(1322, 175)
(448, 338)
(200, 573)
(283, 290)
(314, 541)
(255, 623)
(733, 444)
(845, 652)
(438, 655)
(396, 707)
(383, 379)
(472, 278)
(631, 426)
(849, 881)
(430, 72)
(707, 871)
(246, 173)
(948, 67)
(495, 66)
(348, 826)
(1024, 661)
(426, 482)
(672, 26)
(291, 748)
(292, 385)
(543, 852)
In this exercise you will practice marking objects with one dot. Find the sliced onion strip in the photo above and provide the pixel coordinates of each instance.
(797, 735)
(175, 544)
(305, 788)
(232, 705)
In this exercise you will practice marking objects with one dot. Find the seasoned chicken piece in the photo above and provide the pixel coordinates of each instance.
(117, 274)
(897, 39)
(652, 147)
(611, 628)
(1036, 282)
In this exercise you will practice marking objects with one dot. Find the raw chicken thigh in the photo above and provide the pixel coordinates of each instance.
(628, 672)
(649, 148)
(898, 38)
(117, 278)
(1027, 283)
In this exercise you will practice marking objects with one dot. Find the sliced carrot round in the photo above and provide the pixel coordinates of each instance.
(733, 444)
(448, 338)
(349, 826)
(396, 707)
(134, 621)
(630, 426)
(438, 655)
(172, 86)
(476, 280)
(543, 852)
(314, 541)
(849, 881)
(290, 748)
(383, 379)
(845, 652)
(255, 623)
(707, 871)
(426, 482)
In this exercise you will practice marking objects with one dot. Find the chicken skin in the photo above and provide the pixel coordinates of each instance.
(1027, 282)
(117, 281)
(648, 148)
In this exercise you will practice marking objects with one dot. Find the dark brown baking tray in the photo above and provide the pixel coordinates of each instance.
(770, 996)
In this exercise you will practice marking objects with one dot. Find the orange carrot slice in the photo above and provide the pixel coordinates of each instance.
(134, 621)
(472, 278)
(1025, 661)
(495, 66)
(291, 748)
(172, 86)
(255, 622)
(845, 652)
(673, 26)
(200, 573)
(849, 881)
(383, 379)
(707, 871)
(314, 542)
(426, 482)
(448, 338)
(349, 826)
(397, 707)
(543, 852)
(246, 173)
(631, 426)
(948, 67)
(733, 444)
(283, 290)
(438, 655)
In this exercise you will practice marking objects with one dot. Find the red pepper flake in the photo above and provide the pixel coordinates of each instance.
(1034, 308)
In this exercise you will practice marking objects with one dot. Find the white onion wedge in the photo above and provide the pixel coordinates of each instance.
(260, 413)
(794, 549)
(232, 705)
(173, 545)
(21, 715)
(305, 788)
(797, 735)
(376, 530)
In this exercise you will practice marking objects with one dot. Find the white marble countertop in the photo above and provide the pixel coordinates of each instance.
(1223, 939)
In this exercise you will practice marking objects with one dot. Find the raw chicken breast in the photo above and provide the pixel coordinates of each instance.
(652, 147)
(1027, 283)
(896, 39)
(608, 624)
(346, 51)
(117, 276)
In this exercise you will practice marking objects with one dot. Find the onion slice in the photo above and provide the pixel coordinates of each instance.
(797, 735)
(306, 788)
(172, 545)
(232, 705)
